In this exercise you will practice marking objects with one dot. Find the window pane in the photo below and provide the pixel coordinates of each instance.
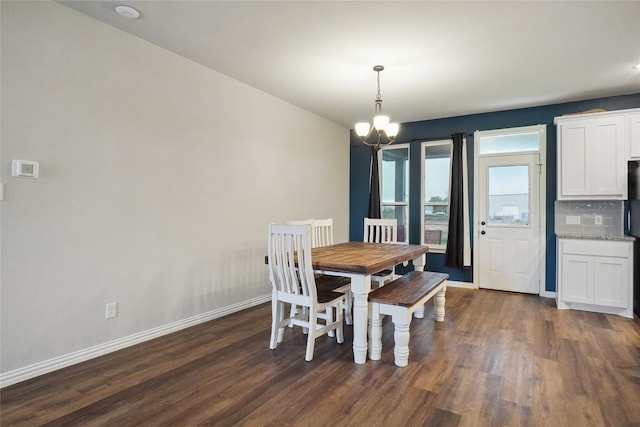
(512, 143)
(436, 225)
(437, 166)
(509, 195)
(437, 173)
(395, 175)
(400, 213)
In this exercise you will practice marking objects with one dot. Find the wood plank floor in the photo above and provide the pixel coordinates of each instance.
(499, 359)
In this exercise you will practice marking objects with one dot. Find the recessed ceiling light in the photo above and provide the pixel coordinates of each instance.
(127, 12)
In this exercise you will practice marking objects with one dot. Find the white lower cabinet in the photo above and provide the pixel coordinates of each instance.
(595, 275)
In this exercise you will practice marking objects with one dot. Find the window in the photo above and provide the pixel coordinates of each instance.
(505, 141)
(508, 195)
(436, 178)
(394, 185)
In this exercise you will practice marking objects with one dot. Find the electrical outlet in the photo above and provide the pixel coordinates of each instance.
(112, 310)
(598, 219)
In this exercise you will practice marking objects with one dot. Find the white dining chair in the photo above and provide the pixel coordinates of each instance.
(322, 235)
(294, 282)
(381, 231)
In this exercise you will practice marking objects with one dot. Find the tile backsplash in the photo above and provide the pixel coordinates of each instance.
(590, 217)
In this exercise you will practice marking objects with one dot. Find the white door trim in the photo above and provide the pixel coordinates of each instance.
(542, 129)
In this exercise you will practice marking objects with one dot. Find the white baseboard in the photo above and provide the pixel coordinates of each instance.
(41, 368)
(454, 284)
(545, 294)
(548, 294)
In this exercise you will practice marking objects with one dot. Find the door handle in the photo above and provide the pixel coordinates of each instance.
(483, 223)
(483, 232)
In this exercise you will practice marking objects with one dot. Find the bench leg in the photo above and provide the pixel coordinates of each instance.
(401, 322)
(419, 313)
(439, 304)
(375, 331)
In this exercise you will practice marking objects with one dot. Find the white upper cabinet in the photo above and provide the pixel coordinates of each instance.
(632, 127)
(592, 156)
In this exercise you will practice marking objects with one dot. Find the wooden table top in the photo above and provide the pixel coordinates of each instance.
(364, 258)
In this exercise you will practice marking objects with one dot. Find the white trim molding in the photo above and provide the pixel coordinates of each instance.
(44, 367)
(466, 285)
(548, 294)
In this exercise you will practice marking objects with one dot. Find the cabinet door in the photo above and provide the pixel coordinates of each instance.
(633, 136)
(606, 157)
(576, 280)
(572, 149)
(611, 281)
(592, 159)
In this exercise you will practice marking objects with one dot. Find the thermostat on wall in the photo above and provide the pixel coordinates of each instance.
(25, 168)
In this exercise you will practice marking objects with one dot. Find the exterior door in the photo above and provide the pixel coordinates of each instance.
(508, 226)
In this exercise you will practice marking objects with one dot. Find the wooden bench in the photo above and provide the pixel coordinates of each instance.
(400, 299)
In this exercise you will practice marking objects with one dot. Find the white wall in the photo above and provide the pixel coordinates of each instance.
(158, 178)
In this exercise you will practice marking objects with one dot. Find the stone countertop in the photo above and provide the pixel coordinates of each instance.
(610, 237)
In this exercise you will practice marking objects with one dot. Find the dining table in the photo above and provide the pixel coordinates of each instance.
(358, 261)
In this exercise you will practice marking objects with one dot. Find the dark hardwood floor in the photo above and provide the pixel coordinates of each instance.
(499, 359)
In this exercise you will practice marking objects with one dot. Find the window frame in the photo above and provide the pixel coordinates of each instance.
(407, 175)
(423, 202)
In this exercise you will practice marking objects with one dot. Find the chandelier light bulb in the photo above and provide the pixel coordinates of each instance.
(392, 130)
(380, 122)
(362, 129)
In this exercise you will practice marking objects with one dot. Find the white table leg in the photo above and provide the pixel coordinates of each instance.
(418, 264)
(375, 332)
(360, 287)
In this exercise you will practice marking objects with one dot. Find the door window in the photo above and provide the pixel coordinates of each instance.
(508, 195)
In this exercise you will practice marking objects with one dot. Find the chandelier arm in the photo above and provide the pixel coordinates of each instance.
(379, 142)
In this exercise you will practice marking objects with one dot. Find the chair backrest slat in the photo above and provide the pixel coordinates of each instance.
(380, 230)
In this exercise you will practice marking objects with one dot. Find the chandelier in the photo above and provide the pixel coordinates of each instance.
(382, 132)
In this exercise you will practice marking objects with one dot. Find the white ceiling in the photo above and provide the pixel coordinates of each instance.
(441, 59)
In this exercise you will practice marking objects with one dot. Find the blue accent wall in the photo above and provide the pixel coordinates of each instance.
(360, 163)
